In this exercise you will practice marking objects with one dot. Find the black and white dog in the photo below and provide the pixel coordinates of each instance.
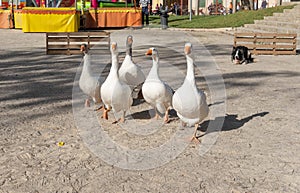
(241, 54)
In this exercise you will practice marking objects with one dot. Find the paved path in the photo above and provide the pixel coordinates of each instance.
(256, 151)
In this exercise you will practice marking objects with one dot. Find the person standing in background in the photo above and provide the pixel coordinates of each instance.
(145, 4)
(230, 7)
(264, 4)
(238, 6)
(176, 7)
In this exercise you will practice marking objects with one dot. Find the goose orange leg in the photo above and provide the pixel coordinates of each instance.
(105, 113)
(166, 118)
(99, 108)
(156, 114)
(121, 120)
(194, 137)
(87, 103)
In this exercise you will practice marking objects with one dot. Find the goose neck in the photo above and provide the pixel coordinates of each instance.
(154, 70)
(114, 64)
(190, 69)
(86, 63)
(129, 51)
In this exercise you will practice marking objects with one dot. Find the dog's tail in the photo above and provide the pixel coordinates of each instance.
(250, 58)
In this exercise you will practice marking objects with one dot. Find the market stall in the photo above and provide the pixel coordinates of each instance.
(18, 18)
(113, 17)
(36, 19)
(50, 16)
(5, 19)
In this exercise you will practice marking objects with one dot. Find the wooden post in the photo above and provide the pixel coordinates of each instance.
(89, 46)
(254, 44)
(234, 6)
(68, 43)
(181, 6)
(274, 45)
(12, 14)
(216, 8)
(191, 9)
(294, 44)
(46, 43)
(197, 7)
(234, 43)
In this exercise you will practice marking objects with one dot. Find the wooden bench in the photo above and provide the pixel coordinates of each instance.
(267, 43)
(69, 43)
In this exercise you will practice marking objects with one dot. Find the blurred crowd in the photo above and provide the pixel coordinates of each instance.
(212, 9)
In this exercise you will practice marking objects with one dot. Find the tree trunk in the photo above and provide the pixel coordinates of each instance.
(251, 4)
(234, 6)
(191, 10)
(197, 7)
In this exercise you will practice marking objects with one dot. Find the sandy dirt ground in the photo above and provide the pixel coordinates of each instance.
(257, 150)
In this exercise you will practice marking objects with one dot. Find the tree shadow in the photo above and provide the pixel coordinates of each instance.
(230, 122)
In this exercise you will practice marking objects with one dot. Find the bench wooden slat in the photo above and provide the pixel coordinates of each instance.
(280, 40)
(244, 39)
(64, 52)
(97, 33)
(249, 46)
(242, 34)
(76, 46)
(86, 39)
(59, 39)
(74, 51)
(78, 33)
(63, 46)
(271, 52)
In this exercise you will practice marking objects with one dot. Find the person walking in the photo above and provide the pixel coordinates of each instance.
(145, 4)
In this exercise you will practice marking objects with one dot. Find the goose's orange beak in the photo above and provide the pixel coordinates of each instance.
(187, 49)
(130, 40)
(82, 48)
(149, 52)
(113, 46)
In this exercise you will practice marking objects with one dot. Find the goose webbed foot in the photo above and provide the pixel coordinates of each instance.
(195, 139)
(121, 120)
(87, 103)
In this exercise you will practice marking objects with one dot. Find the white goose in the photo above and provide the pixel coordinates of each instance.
(89, 84)
(129, 72)
(155, 92)
(190, 102)
(115, 94)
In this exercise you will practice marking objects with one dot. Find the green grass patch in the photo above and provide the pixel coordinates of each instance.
(219, 21)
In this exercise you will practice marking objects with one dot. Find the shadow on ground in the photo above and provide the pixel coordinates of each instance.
(231, 122)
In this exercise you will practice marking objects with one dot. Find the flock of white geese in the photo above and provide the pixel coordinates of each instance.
(116, 92)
